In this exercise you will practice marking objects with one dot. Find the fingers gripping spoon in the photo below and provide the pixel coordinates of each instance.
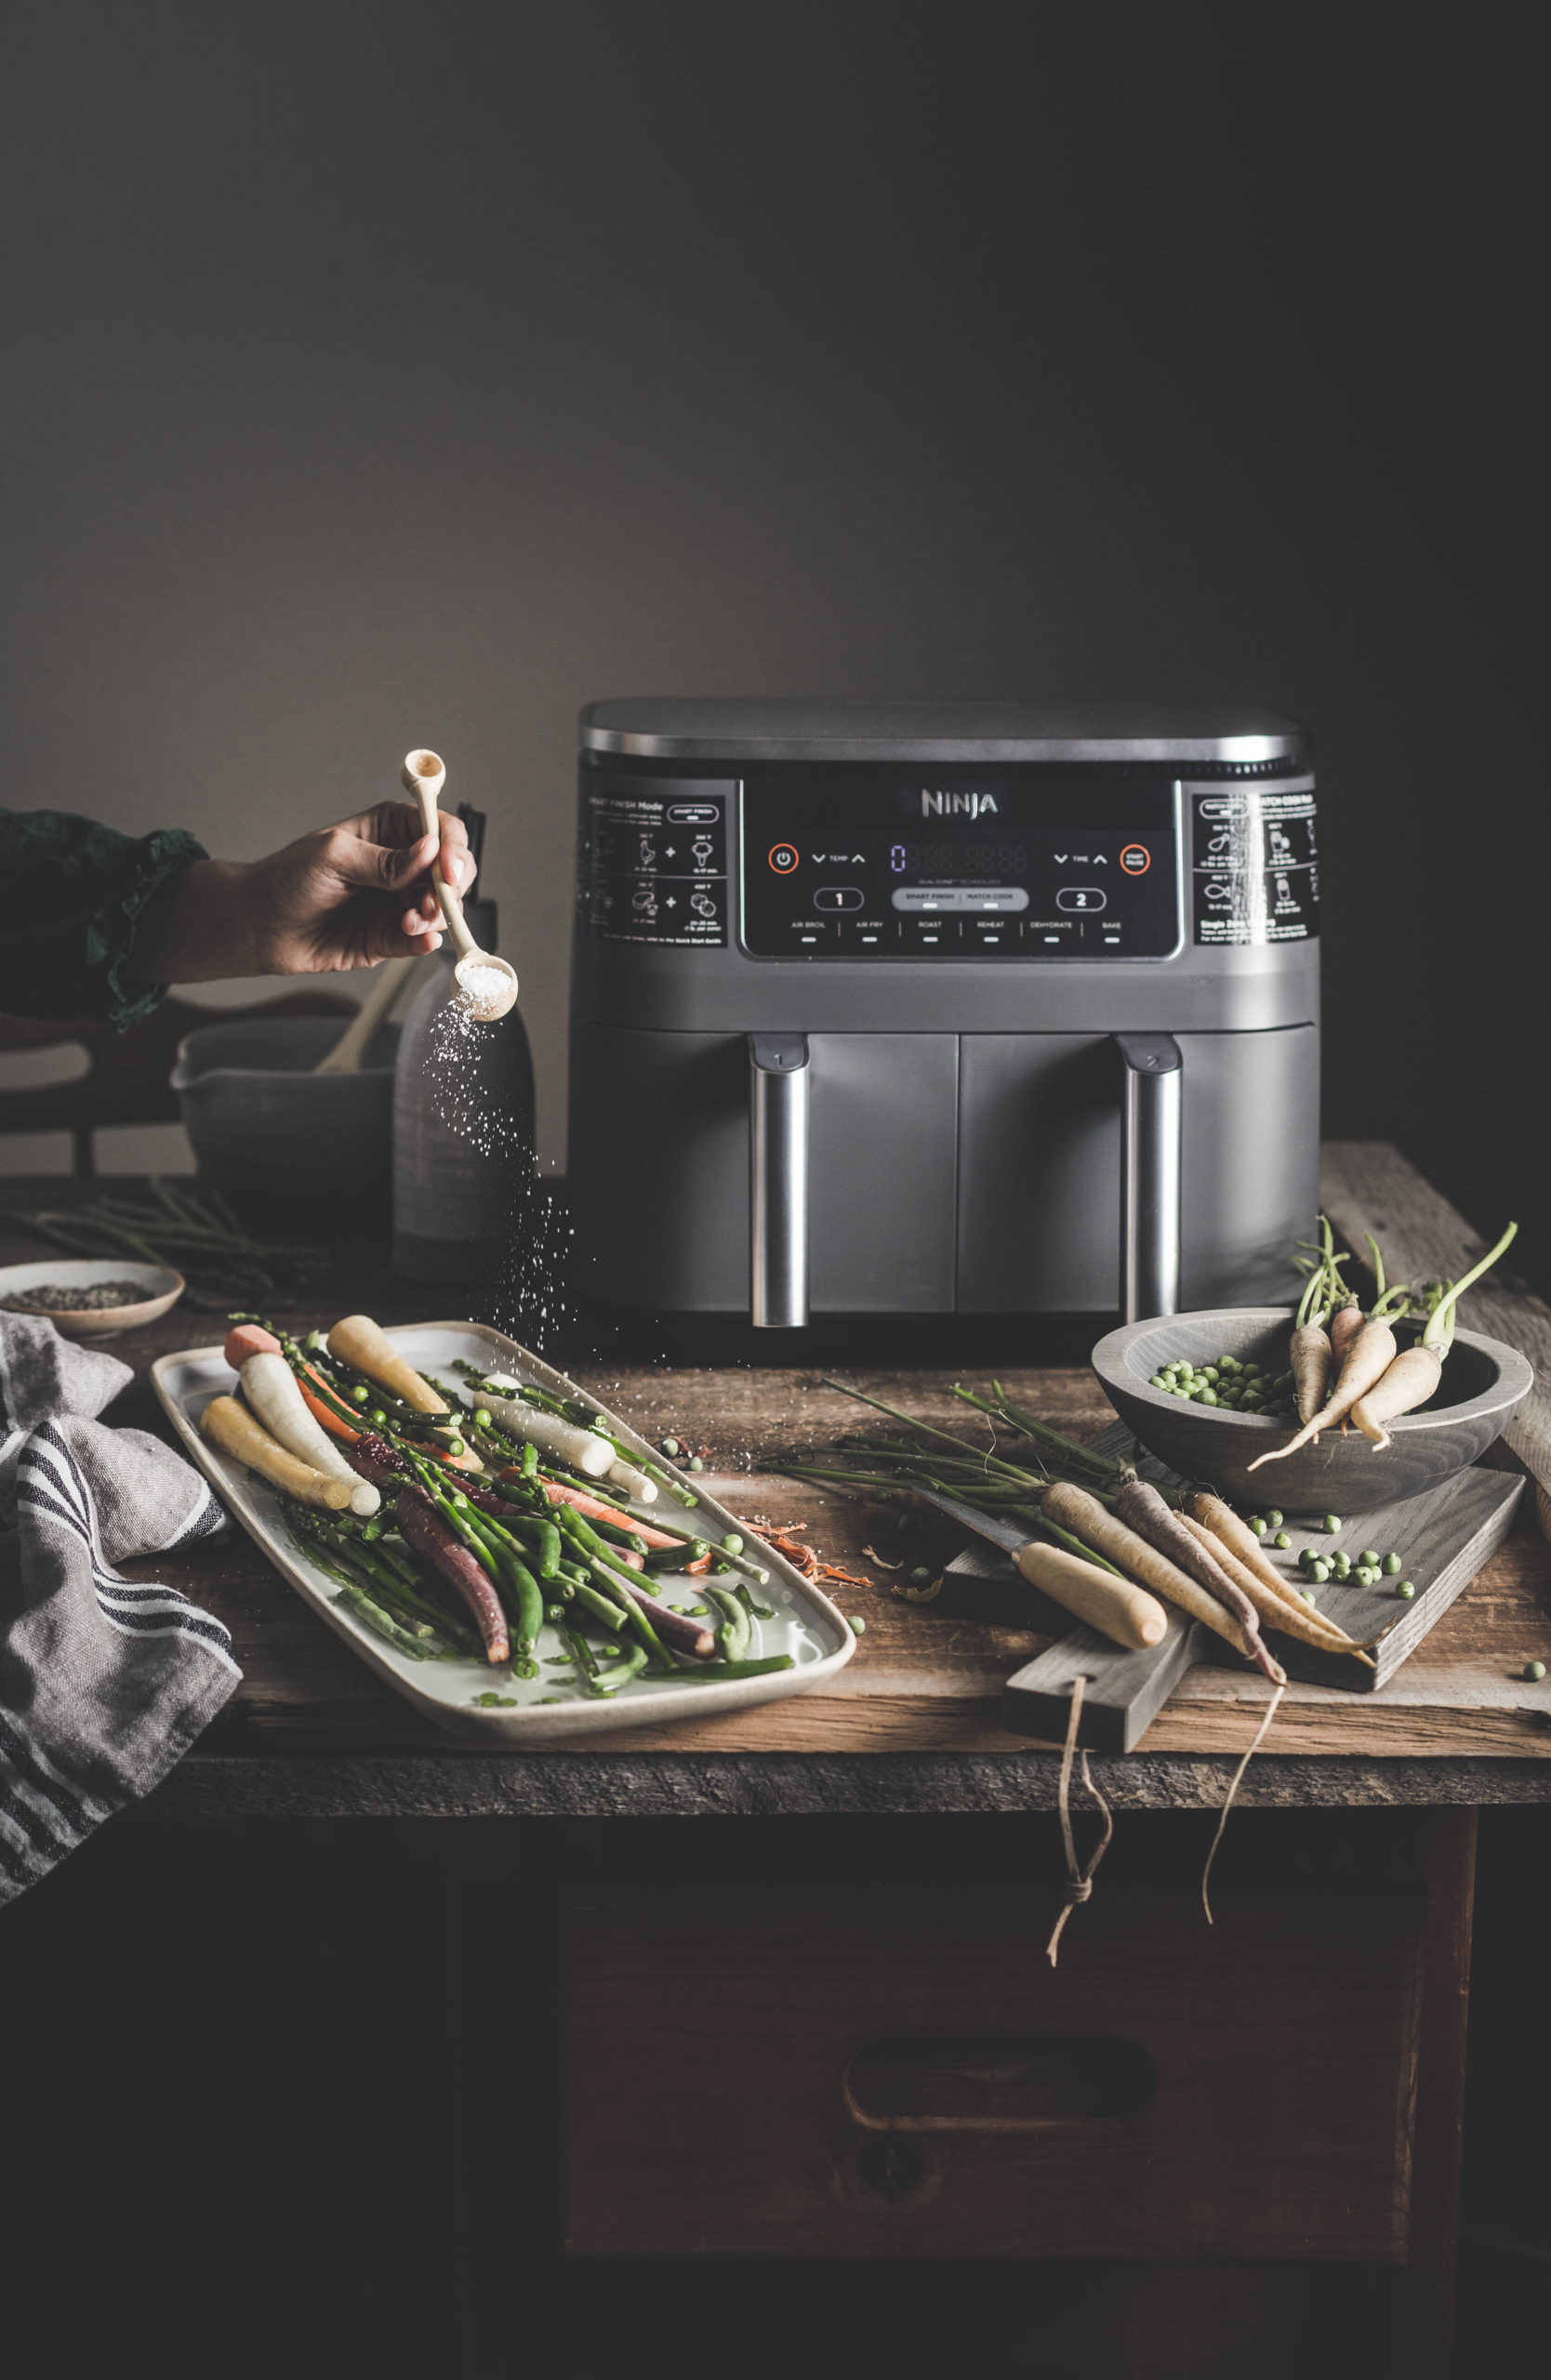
(486, 985)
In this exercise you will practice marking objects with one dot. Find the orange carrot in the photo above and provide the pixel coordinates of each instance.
(592, 1509)
(332, 1421)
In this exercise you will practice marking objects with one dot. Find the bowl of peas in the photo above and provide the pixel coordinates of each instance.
(1208, 1392)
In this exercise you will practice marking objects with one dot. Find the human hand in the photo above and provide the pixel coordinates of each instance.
(342, 897)
(349, 895)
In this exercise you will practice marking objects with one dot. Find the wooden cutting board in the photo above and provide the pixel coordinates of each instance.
(1443, 1538)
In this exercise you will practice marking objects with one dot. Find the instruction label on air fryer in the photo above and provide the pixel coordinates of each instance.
(1255, 869)
(654, 863)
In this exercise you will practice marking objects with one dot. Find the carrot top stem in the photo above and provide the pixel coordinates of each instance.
(1439, 1332)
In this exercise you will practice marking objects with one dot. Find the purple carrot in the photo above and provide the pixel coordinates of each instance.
(1141, 1507)
(422, 1527)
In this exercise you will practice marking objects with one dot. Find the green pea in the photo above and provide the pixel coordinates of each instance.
(1318, 1572)
(1208, 1371)
(1305, 1557)
(483, 1418)
(1307, 1594)
(1228, 1364)
(1536, 1669)
(1390, 1564)
(695, 1464)
(1405, 1591)
(921, 1577)
(359, 1394)
(670, 1446)
(1206, 1396)
(1257, 1524)
(1157, 1380)
(858, 1627)
(1371, 1558)
(1273, 1518)
(1330, 1523)
(1281, 1540)
(1341, 1565)
(379, 1416)
(732, 1543)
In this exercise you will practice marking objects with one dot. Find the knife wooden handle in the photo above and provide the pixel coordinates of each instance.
(1127, 1615)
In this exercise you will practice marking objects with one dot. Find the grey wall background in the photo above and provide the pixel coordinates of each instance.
(391, 373)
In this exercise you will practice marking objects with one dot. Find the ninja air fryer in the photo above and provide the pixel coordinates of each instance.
(937, 1007)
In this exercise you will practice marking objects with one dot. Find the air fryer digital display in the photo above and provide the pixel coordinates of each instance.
(862, 862)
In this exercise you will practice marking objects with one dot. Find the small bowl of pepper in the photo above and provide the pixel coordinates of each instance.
(91, 1297)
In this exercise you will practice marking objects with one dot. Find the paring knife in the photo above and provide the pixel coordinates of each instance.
(1127, 1615)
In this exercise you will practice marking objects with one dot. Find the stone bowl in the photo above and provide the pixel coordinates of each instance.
(295, 1152)
(161, 1289)
(1484, 1381)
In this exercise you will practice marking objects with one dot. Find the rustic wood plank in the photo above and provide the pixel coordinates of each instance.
(921, 1682)
(1369, 1186)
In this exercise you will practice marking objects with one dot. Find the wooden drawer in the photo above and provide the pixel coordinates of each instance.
(894, 2072)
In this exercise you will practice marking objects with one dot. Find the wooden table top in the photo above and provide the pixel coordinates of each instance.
(919, 1683)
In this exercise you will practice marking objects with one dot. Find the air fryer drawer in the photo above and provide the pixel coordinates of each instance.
(659, 1137)
(1039, 1168)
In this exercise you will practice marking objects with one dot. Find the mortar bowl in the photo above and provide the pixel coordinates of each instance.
(1484, 1382)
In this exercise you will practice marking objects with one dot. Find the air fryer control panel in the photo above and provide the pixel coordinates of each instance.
(867, 862)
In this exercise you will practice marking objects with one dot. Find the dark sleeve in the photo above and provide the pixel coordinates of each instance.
(76, 892)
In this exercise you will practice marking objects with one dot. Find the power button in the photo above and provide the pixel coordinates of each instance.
(783, 859)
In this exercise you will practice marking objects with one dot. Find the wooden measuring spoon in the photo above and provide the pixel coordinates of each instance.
(486, 985)
(350, 1051)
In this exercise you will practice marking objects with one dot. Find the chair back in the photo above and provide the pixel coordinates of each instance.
(126, 1081)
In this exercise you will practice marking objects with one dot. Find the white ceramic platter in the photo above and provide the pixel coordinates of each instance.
(806, 1624)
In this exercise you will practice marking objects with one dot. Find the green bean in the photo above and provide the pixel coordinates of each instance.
(710, 1672)
(609, 1681)
(357, 1600)
(735, 1634)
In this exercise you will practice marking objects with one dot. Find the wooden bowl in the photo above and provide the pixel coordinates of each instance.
(1484, 1381)
(162, 1289)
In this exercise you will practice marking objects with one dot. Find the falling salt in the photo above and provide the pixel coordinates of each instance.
(529, 1301)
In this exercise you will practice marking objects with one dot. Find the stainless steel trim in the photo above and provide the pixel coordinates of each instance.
(964, 734)
(973, 754)
(778, 1181)
(1151, 1116)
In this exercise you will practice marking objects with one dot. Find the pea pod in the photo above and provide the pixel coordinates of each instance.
(735, 1634)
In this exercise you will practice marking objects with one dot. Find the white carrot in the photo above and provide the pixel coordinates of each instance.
(1413, 1377)
(363, 1343)
(583, 1450)
(271, 1389)
(1278, 1609)
(1372, 1353)
(634, 1483)
(232, 1428)
(1074, 1509)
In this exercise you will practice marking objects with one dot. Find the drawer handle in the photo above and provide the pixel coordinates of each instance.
(999, 2083)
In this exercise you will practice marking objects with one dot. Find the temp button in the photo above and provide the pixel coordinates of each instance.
(1079, 896)
(837, 897)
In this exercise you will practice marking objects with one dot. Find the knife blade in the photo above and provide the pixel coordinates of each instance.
(1126, 1614)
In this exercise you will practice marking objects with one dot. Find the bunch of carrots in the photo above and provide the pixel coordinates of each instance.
(508, 1512)
(1184, 1546)
(1348, 1367)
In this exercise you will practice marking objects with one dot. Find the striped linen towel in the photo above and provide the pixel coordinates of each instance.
(104, 1684)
